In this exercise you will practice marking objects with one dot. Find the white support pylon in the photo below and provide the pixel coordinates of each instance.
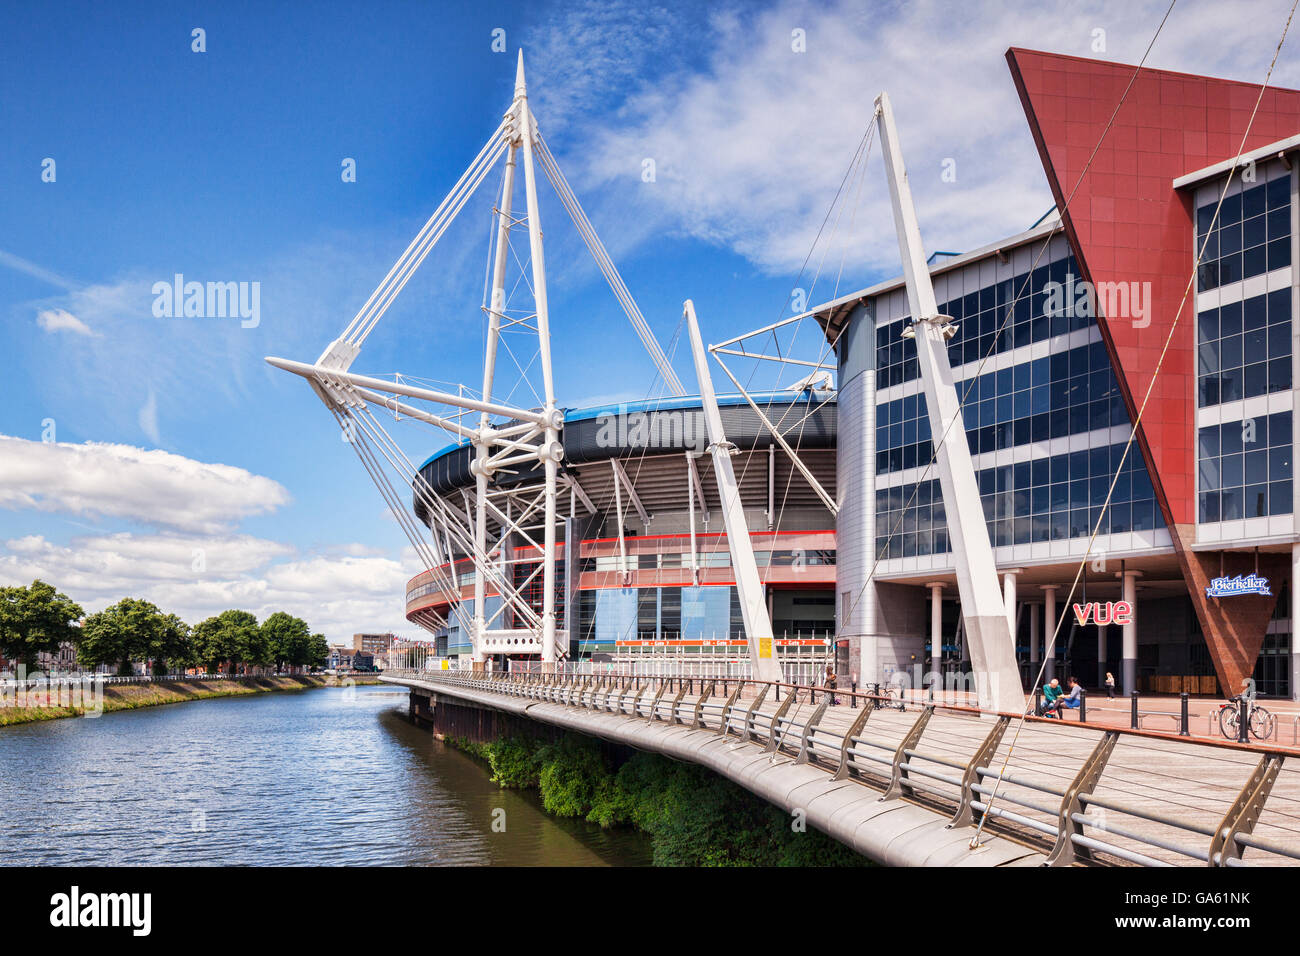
(551, 451)
(984, 612)
(749, 587)
(529, 437)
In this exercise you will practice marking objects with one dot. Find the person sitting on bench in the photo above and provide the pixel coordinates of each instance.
(1070, 700)
(1051, 691)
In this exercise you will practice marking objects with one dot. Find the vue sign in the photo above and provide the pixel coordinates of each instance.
(1112, 612)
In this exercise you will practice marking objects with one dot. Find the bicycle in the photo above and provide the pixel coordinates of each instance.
(1260, 722)
(886, 693)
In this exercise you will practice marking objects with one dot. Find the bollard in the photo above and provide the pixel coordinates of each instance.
(1185, 728)
(1133, 722)
(1083, 706)
(1038, 702)
(1243, 720)
(853, 686)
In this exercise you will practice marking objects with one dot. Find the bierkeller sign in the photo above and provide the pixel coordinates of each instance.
(1241, 584)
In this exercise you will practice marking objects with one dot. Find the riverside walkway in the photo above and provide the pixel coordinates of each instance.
(908, 782)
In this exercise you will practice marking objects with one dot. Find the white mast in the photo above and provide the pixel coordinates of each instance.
(749, 587)
(983, 610)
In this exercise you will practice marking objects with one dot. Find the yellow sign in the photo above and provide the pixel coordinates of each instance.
(764, 647)
(446, 665)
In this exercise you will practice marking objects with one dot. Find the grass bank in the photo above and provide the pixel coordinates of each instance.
(693, 816)
(132, 696)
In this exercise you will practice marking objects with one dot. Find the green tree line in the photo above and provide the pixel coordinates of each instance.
(39, 618)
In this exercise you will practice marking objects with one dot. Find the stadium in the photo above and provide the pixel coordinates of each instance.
(1161, 294)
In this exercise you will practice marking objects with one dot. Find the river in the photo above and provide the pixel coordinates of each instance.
(329, 776)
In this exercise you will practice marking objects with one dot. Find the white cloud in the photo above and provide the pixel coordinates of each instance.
(60, 320)
(197, 576)
(120, 481)
(34, 270)
(751, 139)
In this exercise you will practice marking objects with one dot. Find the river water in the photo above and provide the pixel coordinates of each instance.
(326, 776)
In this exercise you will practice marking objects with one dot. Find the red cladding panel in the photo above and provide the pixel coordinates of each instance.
(1127, 224)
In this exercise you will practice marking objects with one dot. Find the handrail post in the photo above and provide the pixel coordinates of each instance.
(1184, 722)
(673, 716)
(725, 729)
(654, 704)
(1133, 716)
(1084, 782)
(747, 733)
(898, 776)
(1244, 812)
(983, 756)
(809, 725)
(853, 692)
(773, 728)
(706, 693)
(855, 728)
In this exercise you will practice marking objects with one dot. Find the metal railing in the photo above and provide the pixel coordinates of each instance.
(1106, 810)
(68, 680)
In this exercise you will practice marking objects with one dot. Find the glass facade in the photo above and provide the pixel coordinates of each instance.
(1067, 393)
(1245, 468)
(608, 615)
(1244, 349)
(1252, 235)
(1047, 499)
(1047, 306)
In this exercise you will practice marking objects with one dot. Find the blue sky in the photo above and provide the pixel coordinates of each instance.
(172, 437)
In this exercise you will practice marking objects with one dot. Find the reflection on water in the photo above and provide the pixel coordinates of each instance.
(329, 776)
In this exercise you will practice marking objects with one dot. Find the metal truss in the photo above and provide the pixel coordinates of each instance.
(507, 439)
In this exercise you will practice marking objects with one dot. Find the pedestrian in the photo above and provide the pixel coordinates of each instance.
(1051, 692)
(1072, 700)
(1110, 685)
(829, 684)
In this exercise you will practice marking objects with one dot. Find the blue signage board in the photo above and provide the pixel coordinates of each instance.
(1241, 584)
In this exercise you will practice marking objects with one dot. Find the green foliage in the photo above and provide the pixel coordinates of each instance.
(574, 778)
(694, 817)
(318, 651)
(287, 639)
(131, 630)
(231, 637)
(39, 618)
(515, 763)
(35, 619)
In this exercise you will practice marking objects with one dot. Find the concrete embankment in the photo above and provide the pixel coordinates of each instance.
(26, 708)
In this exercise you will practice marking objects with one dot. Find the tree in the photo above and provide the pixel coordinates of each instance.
(318, 651)
(173, 649)
(286, 638)
(133, 630)
(231, 637)
(35, 619)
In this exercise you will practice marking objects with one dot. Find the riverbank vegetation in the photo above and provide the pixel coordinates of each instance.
(694, 817)
(40, 619)
(154, 693)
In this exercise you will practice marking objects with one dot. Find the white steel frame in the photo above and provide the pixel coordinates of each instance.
(506, 437)
(985, 616)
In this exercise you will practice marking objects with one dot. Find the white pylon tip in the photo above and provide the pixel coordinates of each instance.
(519, 74)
